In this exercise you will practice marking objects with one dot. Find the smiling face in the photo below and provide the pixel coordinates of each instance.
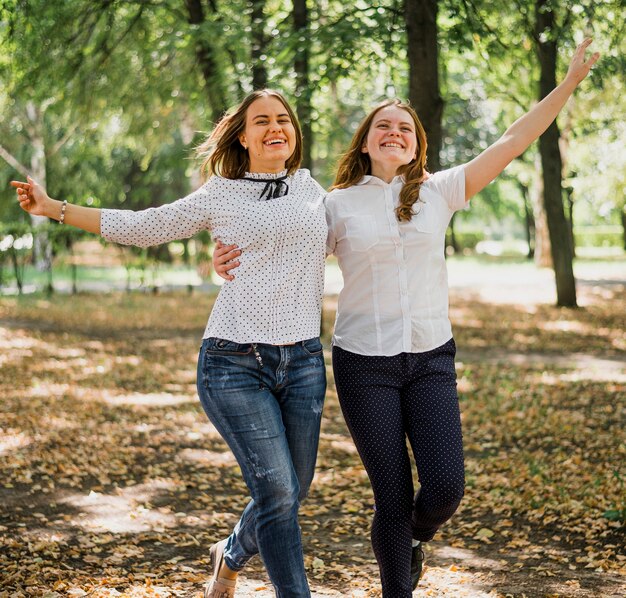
(391, 141)
(269, 135)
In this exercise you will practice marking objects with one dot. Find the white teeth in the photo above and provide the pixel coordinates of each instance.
(392, 145)
(274, 141)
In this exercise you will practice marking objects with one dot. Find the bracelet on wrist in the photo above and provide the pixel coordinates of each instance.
(63, 207)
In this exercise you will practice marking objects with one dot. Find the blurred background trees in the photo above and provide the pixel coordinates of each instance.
(104, 100)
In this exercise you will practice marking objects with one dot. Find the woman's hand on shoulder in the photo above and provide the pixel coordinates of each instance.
(32, 196)
(225, 259)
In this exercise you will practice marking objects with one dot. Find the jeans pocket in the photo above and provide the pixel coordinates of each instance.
(221, 346)
(313, 346)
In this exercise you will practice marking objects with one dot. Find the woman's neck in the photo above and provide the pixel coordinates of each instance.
(267, 167)
(384, 172)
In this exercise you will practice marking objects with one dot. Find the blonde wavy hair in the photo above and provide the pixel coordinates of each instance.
(222, 153)
(355, 164)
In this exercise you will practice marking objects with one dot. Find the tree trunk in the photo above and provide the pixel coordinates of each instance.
(187, 132)
(569, 202)
(543, 251)
(259, 72)
(529, 220)
(303, 85)
(551, 163)
(18, 270)
(42, 247)
(423, 56)
(208, 60)
(623, 214)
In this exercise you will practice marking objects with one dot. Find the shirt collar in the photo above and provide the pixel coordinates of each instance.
(368, 178)
(265, 175)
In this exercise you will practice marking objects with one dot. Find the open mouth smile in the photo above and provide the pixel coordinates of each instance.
(392, 144)
(275, 142)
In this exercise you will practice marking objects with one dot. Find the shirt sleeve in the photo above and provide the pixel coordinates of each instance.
(450, 184)
(178, 220)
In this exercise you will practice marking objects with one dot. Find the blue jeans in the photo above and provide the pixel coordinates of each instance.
(266, 401)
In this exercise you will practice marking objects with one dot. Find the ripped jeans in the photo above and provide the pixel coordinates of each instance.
(266, 401)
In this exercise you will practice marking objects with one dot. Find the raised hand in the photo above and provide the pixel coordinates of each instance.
(579, 66)
(492, 161)
(224, 259)
(32, 197)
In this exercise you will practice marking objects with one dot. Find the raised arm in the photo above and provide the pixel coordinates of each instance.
(34, 200)
(490, 163)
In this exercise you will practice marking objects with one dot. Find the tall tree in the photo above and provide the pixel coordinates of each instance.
(303, 91)
(423, 57)
(258, 43)
(551, 165)
(207, 57)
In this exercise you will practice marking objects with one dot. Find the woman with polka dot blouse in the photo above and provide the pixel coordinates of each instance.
(393, 351)
(261, 373)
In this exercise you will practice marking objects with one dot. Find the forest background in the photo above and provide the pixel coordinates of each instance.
(103, 102)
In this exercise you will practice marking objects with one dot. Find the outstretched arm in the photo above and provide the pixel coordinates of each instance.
(142, 228)
(34, 200)
(490, 163)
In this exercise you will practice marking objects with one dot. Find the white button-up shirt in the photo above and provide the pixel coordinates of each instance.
(276, 296)
(395, 294)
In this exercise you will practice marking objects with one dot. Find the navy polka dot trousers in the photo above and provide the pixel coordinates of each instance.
(386, 400)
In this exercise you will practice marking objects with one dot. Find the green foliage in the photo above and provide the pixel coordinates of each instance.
(599, 236)
(466, 239)
(120, 95)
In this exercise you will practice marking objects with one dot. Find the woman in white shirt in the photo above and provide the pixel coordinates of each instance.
(261, 374)
(393, 351)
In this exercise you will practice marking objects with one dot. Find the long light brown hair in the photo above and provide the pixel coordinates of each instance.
(355, 164)
(222, 153)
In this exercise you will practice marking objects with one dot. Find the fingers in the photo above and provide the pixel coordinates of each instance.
(231, 255)
(224, 266)
(223, 271)
(593, 59)
(23, 190)
(225, 254)
(582, 47)
(221, 249)
(224, 259)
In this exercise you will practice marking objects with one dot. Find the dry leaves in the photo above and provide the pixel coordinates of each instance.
(115, 484)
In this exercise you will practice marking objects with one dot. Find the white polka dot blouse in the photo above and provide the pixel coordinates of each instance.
(276, 297)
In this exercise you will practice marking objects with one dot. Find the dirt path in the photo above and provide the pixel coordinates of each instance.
(114, 483)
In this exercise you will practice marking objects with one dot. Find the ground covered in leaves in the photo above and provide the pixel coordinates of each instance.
(115, 484)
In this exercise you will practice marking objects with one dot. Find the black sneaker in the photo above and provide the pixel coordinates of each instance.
(417, 564)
